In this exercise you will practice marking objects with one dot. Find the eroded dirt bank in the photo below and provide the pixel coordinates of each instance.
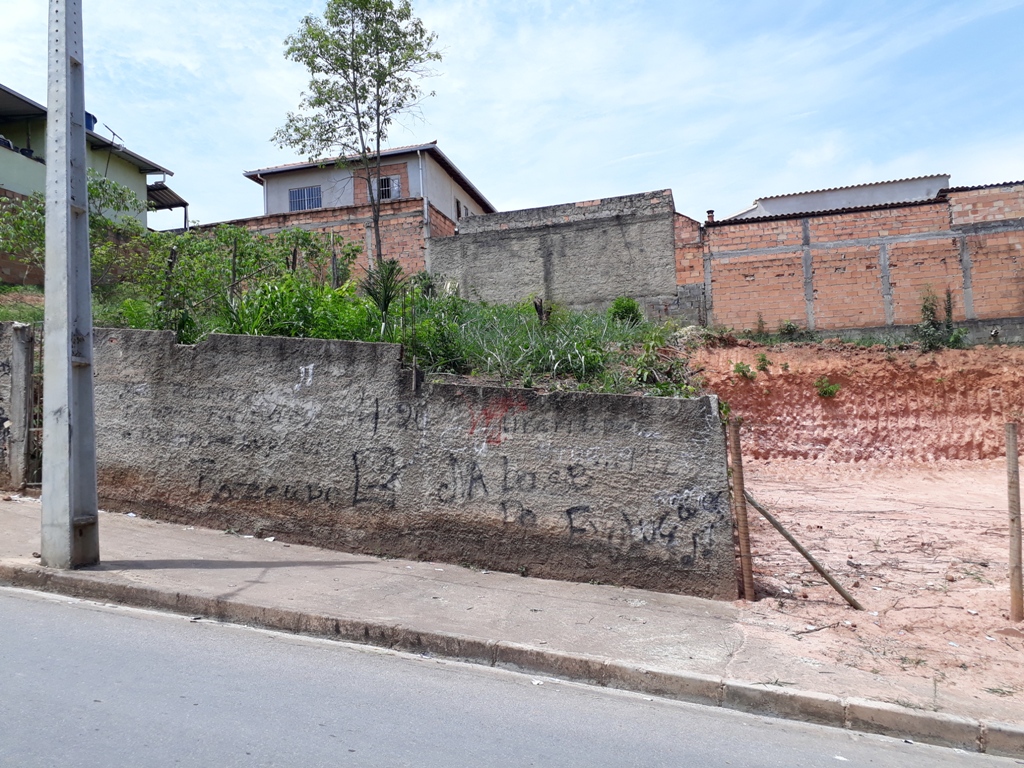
(892, 405)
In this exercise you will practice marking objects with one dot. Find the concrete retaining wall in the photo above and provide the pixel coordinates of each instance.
(327, 443)
(582, 255)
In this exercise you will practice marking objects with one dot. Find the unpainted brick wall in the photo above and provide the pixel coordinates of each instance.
(329, 443)
(401, 222)
(867, 268)
(360, 190)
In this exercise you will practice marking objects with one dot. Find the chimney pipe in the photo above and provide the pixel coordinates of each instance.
(711, 215)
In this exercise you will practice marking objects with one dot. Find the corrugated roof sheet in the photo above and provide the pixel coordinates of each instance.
(985, 186)
(828, 212)
(164, 198)
(854, 186)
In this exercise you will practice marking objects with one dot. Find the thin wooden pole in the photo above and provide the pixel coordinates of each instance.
(807, 555)
(740, 510)
(1013, 497)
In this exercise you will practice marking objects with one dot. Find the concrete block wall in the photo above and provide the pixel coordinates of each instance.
(582, 255)
(866, 268)
(329, 443)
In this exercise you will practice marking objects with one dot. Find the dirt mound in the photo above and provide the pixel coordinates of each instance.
(892, 405)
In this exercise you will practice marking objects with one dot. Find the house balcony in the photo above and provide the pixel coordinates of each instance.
(21, 174)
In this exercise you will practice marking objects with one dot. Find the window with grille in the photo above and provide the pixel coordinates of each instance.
(388, 187)
(304, 198)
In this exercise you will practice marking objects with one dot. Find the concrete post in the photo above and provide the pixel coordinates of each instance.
(22, 361)
(70, 535)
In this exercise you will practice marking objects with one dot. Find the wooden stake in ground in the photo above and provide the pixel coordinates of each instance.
(803, 551)
(739, 505)
(1013, 496)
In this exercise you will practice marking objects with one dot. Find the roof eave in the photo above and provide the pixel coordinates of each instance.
(97, 142)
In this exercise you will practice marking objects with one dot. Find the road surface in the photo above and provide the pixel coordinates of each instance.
(91, 685)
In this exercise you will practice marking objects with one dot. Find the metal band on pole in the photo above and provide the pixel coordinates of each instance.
(70, 535)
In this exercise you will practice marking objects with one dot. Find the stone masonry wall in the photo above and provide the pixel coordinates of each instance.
(866, 269)
(582, 254)
(328, 443)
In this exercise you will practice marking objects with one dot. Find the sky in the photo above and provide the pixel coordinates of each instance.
(541, 102)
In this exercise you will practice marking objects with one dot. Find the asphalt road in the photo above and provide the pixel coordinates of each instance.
(90, 685)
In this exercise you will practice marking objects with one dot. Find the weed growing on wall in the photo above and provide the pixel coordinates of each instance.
(931, 333)
(788, 331)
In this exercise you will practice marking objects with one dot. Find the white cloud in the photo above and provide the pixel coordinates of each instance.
(544, 102)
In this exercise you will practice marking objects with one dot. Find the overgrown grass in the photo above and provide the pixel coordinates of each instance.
(788, 331)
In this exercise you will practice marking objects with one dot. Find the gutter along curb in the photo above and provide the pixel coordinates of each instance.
(851, 713)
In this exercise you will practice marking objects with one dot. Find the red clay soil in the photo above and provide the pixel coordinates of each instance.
(892, 405)
(898, 485)
(923, 549)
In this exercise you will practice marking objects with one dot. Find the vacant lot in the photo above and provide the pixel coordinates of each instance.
(898, 485)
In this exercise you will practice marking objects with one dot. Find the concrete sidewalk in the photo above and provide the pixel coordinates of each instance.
(661, 644)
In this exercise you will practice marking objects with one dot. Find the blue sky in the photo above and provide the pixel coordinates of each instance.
(543, 102)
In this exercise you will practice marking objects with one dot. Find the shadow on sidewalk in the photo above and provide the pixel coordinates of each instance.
(168, 565)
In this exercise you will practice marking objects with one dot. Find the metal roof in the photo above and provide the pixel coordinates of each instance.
(14, 106)
(986, 186)
(98, 142)
(856, 186)
(855, 196)
(733, 220)
(164, 198)
(431, 148)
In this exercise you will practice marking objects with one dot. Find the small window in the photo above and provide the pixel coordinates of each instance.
(458, 209)
(304, 198)
(388, 187)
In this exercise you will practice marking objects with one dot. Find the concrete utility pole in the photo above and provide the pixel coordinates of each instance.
(70, 536)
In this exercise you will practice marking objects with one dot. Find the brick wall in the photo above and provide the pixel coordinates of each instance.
(401, 224)
(689, 251)
(396, 169)
(864, 268)
(11, 195)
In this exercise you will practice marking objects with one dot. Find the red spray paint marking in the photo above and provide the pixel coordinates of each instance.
(490, 420)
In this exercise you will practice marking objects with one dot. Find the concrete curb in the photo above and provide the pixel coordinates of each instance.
(853, 714)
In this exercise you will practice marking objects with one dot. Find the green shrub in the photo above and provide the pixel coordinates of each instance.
(826, 388)
(932, 333)
(626, 310)
(763, 363)
(744, 370)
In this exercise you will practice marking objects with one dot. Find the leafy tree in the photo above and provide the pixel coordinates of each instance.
(115, 236)
(365, 59)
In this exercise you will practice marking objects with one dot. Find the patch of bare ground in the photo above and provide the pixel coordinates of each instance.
(28, 299)
(874, 482)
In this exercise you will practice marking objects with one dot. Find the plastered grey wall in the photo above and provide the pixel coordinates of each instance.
(582, 255)
(327, 442)
(6, 354)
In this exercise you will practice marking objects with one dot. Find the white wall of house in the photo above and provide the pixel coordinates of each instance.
(445, 193)
(25, 176)
(336, 189)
